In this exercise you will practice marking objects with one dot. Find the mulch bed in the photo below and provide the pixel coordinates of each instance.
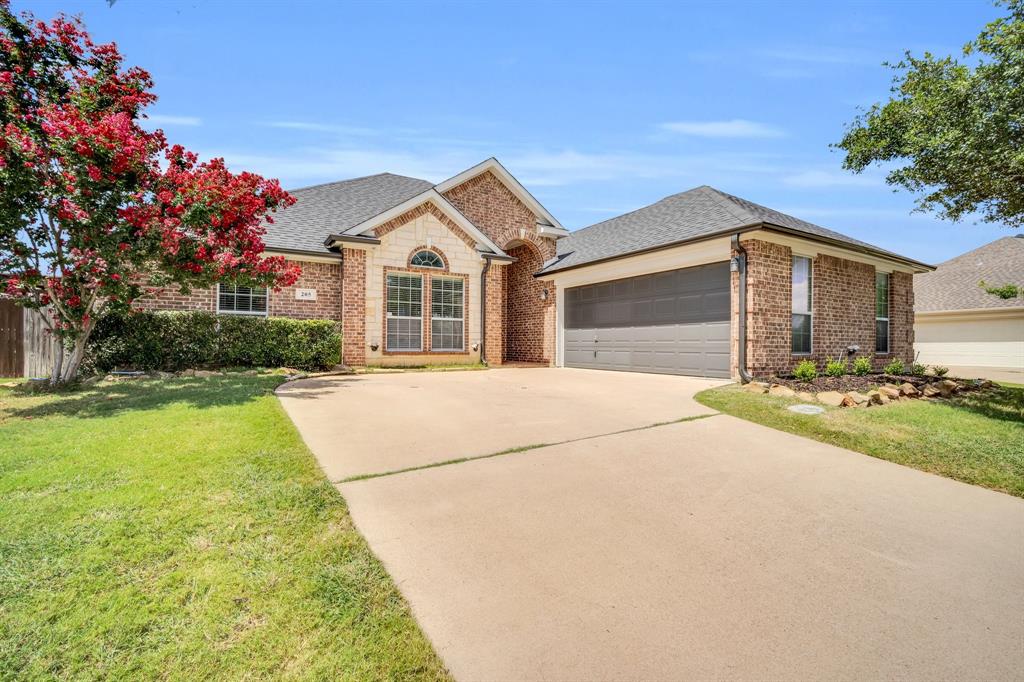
(852, 382)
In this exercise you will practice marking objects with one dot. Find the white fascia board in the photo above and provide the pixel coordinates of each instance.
(684, 256)
(493, 165)
(433, 196)
(810, 248)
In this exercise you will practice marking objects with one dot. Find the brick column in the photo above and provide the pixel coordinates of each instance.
(353, 307)
(494, 346)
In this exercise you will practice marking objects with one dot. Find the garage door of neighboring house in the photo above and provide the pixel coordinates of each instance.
(674, 322)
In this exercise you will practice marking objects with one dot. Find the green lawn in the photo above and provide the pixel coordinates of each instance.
(180, 529)
(976, 438)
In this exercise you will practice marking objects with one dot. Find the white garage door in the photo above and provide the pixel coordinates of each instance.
(674, 322)
(978, 341)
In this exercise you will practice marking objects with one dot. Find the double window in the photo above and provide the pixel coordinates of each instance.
(802, 304)
(881, 312)
(446, 313)
(405, 312)
(239, 300)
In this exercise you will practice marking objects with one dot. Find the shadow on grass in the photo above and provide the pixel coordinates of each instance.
(1002, 402)
(107, 399)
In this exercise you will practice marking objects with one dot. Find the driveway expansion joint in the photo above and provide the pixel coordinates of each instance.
(518, 449)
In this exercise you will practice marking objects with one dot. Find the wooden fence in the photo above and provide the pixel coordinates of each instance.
(26, 350)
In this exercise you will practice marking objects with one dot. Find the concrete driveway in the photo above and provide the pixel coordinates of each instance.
(374, 423)
(705, 549)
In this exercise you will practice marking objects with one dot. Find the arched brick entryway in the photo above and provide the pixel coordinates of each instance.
(524, 305)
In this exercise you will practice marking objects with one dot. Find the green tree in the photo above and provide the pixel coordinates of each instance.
(952, 131)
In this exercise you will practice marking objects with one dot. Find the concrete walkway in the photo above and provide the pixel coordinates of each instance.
(705, 549)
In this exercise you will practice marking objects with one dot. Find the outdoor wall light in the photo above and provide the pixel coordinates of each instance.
(543, 294)
(374, 346)
(475, 346)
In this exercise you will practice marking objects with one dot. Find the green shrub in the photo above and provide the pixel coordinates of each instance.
(895, 367)
(173, 341)
(939, 370)
(918, 370)
(861, 366)
(806, 371)
(835, 368)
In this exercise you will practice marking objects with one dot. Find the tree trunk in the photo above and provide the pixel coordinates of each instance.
(58, 363)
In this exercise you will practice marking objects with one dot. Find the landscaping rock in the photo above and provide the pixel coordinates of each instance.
(833, 398)
(858, 398)
(890, 392)
(849, 402)
(948, 387)
(930, 391)
(876, 398)
(205, 374)
(908, 389)
(805, 396)
(187, 373)
(781, 391)
(756, 387)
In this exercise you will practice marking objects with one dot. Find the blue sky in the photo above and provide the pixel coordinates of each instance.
(598, 108)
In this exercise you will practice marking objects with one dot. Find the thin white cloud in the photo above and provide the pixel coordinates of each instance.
(311, 126)
(830, 178)
(736, 127)
(164, 120)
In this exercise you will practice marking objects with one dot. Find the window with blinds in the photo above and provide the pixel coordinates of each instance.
(405, 312)
(239, 300)
(446, 314)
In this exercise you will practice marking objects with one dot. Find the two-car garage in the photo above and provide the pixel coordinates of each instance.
(671, 322)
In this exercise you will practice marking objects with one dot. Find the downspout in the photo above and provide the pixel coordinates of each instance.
(739, 263)
(483, 310)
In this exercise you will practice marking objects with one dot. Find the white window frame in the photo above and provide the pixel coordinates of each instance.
(251, 313)
(888, 312)
(810, 305)
(461, 318)
(435, 254)
(388, 315)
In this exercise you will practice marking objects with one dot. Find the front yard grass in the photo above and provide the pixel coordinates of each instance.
(976, 437)
(180, 529)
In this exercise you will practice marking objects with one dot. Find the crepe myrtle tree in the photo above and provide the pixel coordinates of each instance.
(97, 212)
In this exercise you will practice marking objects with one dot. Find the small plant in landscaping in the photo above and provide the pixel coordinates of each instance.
(835, 368)
(918, 370)
(939, 370)
(861, 367)
(895, 367)
(806, 371)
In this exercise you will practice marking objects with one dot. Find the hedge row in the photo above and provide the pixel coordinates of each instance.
(173, 341)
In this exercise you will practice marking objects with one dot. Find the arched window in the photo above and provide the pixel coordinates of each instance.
(427, 259)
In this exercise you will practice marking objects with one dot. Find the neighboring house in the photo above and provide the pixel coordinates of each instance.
(411, 269)
(959, 323)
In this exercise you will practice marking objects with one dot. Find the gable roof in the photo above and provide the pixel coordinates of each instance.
(692, 215)
(334, 207)
(544, 217)
(430, 195)
(954, 284)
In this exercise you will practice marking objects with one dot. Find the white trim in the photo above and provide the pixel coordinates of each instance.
(683, 256)
(809, 247)
(973, 313)
(303, 257)
(492, 164)
(431, 195)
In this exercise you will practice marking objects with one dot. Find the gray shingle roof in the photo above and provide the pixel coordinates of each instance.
(954, 284)
(699, 212)
(322, 210)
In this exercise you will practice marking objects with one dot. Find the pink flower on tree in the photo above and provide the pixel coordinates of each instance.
(93, 205)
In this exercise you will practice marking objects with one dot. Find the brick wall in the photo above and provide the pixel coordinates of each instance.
(353, 305)
(527, 329)
(324, 277)
(843, 310)
(494, 346)
(525, 335)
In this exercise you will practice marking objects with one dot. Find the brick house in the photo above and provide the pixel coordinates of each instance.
(411, 269)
